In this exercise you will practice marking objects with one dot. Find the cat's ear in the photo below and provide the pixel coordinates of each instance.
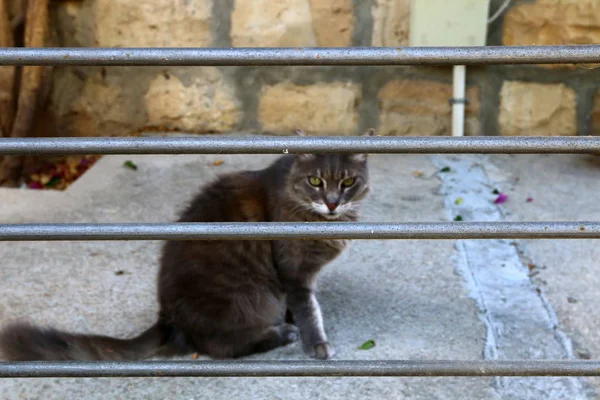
(303, 157)
(363, 157)
(370, 132)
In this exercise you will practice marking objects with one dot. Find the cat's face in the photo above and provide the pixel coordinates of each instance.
(329, 185)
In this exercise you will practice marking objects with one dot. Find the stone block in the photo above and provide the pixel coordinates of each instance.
(206, 104)
(327, 108)
(422, 108)
(536, 109)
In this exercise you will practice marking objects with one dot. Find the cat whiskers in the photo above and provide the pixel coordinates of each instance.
(299, 208)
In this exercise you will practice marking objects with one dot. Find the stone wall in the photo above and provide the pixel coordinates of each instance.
(506, 100)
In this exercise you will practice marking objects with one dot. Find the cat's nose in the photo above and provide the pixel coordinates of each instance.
(331, 206)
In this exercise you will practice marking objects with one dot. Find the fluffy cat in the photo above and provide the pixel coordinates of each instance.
(227, 298)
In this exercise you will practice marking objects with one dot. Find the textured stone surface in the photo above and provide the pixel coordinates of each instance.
(323, 109)
(207, 104)
(535, 109)
(391, 20)
(152, 23)
(95, 106)
(272, 23)
(333, 21)
(124, 104)
(420, 107)
(553, 22)
(107, 104)
(110, 101)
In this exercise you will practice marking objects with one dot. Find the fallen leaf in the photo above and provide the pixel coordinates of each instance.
(571, 300)
(120, 272)
(217, 163)
(195, 356)
(531, 267)
(445, 169)
(459, 201)
(501, 198)
(458, 218)
(53, 182)
(59, 174)
(368, 345)
(129, 164)
(529, 199)
(418, 173)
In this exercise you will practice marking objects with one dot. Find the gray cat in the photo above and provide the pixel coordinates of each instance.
(229, 298)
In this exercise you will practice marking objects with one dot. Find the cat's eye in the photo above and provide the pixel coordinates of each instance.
(313, 180)
(348, 182)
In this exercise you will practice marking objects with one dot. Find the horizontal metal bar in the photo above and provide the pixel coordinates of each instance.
(303, 56)
(302, 230)
(293, 144)
(297, 368)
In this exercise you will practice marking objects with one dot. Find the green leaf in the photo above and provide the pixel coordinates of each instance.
(458, 218)
(445, 169)
(129, 164)
(459, 201)
(53, 182)
(368, 345)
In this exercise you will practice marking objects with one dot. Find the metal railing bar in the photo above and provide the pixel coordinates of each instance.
(298, 368)
(293, 144)
(484, 55)
(300, 230)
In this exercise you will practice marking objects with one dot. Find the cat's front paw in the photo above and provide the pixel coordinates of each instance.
(321, 351)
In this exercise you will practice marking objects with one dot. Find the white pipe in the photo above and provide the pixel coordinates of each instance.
(459, 73)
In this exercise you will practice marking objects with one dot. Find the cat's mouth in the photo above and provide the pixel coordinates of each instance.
(332, 215)
(323, 211)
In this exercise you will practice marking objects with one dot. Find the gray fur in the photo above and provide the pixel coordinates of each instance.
(225, 298)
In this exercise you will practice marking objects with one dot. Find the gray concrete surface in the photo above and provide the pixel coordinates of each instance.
(416, 299)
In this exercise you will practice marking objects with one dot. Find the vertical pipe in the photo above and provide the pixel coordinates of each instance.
(459, 73)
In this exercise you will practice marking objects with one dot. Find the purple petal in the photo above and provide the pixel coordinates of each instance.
(501, 198)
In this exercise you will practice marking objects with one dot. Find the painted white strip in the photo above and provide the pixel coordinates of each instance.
(520, 322)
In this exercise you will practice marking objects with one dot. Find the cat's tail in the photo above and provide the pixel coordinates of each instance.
(25, 342)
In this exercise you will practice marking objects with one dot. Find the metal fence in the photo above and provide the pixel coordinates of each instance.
(269, 231)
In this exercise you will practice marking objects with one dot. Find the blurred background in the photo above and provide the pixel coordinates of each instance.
(500, 100)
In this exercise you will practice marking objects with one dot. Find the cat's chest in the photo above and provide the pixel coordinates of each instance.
(325, 250)
(335, 245)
